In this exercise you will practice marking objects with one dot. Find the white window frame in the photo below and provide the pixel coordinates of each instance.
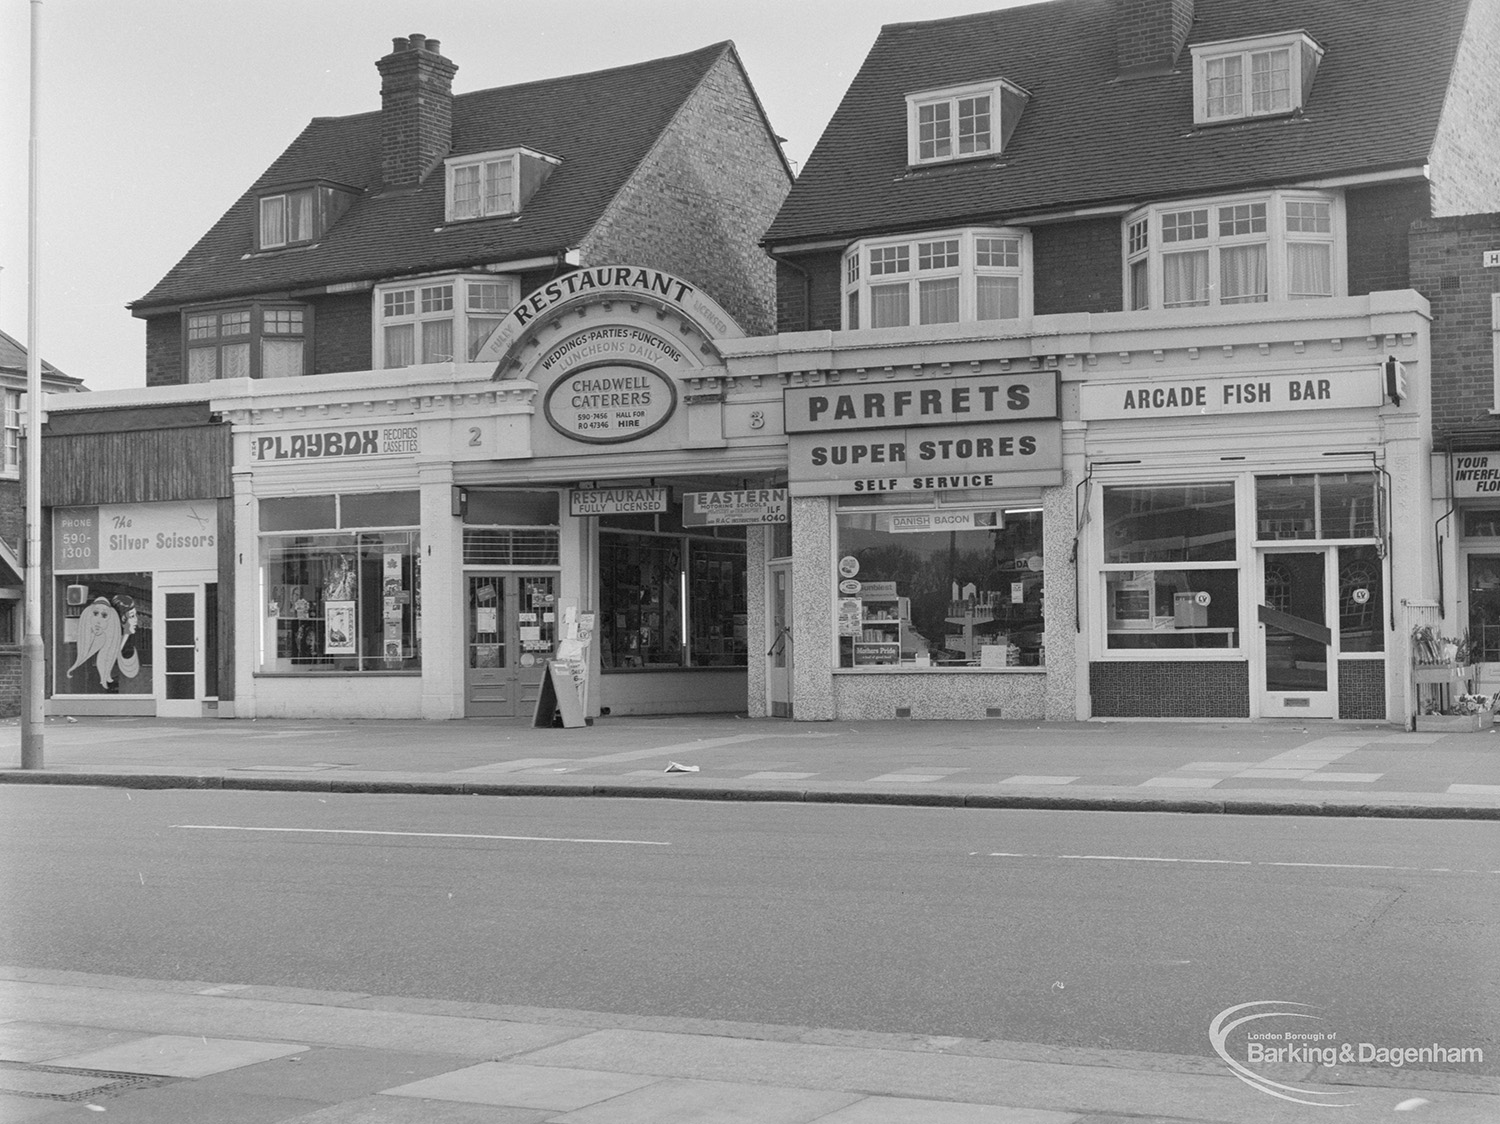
(473, 305)
(950, 98)
(1276, 237)
(862, 272)
(1495, 347)
(1298, 45)
(281, 202)
(10, 465)
(506, 162)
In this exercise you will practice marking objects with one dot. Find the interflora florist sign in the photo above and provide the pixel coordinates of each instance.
(610, 402)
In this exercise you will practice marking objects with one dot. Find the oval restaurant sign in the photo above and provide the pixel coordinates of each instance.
(611, 401)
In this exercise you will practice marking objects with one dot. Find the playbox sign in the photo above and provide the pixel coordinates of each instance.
(321, 444)
(610, 402)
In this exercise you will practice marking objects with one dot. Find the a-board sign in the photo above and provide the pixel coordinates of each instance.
(557, 697)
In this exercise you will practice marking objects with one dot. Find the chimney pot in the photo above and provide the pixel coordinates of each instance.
(416, 109)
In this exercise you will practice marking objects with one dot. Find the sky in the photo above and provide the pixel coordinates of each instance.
(156, 115)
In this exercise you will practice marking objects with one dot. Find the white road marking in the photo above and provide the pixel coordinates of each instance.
(1229, 862)
(415, 834)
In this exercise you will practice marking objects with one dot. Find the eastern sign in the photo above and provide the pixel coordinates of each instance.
(617, 501)
(324, 444)
(1169, 396)
(607, 403)
(1475, 475)
(922, 402)
(136, 538)
(718, 509)
(951, 458)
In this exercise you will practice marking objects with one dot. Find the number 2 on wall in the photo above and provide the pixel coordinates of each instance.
(475, 433)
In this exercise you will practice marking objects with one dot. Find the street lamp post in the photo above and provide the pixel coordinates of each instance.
(32, 654)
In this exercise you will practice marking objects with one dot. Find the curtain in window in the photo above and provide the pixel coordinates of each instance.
(852, 322)
(437, 341)
(203, 363)
(939, 301)
(889, 306)
(280, 359)
(273, 222)
(400, 345)
(480, 328)
(300, 216)
(1242, 274)
(1140, 291)
(999, 298)
(236, 361)
(466, 191)
(1185, 279)
(1309, 270)
(498, 198)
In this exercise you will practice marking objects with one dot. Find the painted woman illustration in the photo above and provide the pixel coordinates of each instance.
(106, 634)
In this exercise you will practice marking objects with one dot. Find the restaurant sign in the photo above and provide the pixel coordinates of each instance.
(721, 509)
(618, 501)
(610, 402)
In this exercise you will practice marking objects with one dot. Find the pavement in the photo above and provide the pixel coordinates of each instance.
(1275, 767)
(75, 1046)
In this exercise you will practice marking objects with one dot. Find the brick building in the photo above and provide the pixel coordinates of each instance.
(330, 498)
(13, 381)
(1171, 236)
(1455, 263)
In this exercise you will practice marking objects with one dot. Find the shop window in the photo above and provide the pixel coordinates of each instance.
(440, 320)
(510, 527)
(940, 588)
(1361, 600)
(103, 635)
(948, 278)
(670, 601)
(1189, 597)
(1170, 523)
(336, 598)
(1481, 523)
(256, 341)
(1317, 506)
(1273, 246)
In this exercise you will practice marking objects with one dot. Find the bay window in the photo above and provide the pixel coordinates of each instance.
(1243, 250)
(257, 341)
(960, 276)
(439, 320)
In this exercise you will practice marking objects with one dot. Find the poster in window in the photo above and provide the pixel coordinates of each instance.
(106, 635)
(851, 611)
(338, 628)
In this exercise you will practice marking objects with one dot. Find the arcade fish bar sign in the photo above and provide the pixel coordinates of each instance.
(984, 431)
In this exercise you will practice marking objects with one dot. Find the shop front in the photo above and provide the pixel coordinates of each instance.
(426, 540)
(1471, 522)
(1241, 558)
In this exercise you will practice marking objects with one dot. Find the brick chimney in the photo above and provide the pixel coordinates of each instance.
(1149, 33)
(416, 109)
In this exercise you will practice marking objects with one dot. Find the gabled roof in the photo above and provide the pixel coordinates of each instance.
(602, 125)
(1089, 137)
(13, 365)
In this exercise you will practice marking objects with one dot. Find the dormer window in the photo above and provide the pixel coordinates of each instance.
(298, 216)
(962, 122)
(494, 183)
(1247, 78)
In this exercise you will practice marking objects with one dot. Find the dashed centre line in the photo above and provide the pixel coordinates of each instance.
(1228, 862)
(416, 834)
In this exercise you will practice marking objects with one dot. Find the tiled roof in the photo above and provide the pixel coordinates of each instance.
(602, 125)
(13, 362)
(1090, 137)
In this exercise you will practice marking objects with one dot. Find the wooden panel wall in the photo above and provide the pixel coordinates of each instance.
(147, 466)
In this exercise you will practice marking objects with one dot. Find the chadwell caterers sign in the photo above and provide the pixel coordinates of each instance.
(609, 402)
